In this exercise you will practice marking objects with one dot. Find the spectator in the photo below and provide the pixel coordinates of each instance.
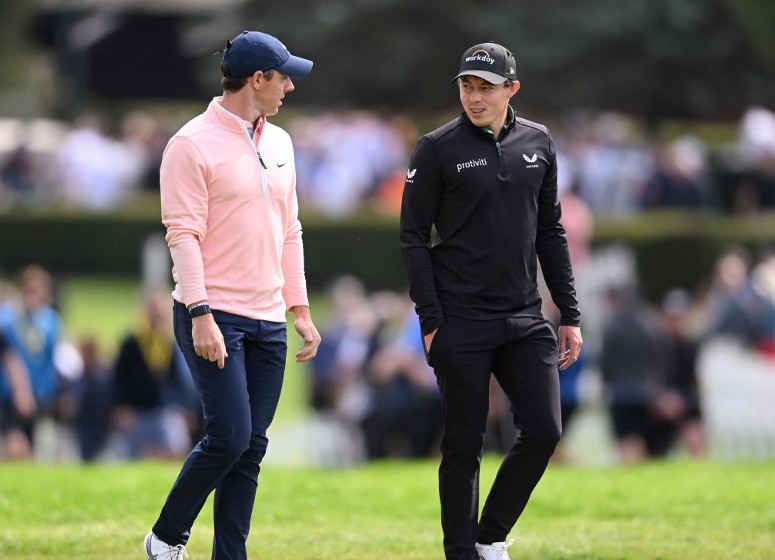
(405, 416)
(32, 328)
(737, 310)
(678, 405)
(343, 170)
(750, 164)
(611, 166)
(680, 177)
(632, 364)
(18, 172)
(764, 181)
(93, 167)
(338, 380)
(763, 283)
(578, 221)
(17, 404)
(156, 405)
(88, 402)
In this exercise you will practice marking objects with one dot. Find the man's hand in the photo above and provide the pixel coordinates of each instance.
(208, 340)
(306, 329)
(428, 338)
(570, 345)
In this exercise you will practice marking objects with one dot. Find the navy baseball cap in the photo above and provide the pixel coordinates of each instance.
(251, 51)
(490, 61)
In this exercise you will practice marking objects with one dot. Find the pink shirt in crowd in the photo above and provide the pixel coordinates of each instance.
(229, 204)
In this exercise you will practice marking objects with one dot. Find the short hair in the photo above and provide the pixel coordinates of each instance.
(235, 84)
(508, 83)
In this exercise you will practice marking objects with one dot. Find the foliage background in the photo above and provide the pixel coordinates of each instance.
(658, 59)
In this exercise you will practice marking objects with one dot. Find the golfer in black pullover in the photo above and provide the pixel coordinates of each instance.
(479, 210)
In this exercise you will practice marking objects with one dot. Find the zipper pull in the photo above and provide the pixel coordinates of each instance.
(503, 174)
(261, 159)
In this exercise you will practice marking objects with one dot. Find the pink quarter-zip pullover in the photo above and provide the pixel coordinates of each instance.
(229, 204)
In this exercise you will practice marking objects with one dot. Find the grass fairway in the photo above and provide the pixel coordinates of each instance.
(388, 511)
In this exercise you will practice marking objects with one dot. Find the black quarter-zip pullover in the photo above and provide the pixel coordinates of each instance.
(493, 204)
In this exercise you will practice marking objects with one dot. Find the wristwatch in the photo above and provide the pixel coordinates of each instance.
(199, 309)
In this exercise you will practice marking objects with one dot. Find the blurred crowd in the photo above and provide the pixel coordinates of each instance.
(640, 358)
(350, 159)
(60, 401)
(639, 367)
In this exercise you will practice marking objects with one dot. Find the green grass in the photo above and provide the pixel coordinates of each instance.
(389, 511)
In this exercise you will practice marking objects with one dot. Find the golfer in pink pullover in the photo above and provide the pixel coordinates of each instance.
(228, 197)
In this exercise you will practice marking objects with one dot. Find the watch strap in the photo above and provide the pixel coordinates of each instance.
(199, 309)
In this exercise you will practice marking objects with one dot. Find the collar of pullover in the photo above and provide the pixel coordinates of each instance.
(511, 120)
(229, 120)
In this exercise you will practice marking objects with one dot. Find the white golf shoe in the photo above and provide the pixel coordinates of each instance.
(494, 551)
(156, 549)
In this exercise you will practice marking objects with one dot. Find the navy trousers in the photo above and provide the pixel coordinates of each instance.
(521, 352)
(239, 403)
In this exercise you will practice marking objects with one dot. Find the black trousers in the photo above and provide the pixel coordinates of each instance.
(521, 352)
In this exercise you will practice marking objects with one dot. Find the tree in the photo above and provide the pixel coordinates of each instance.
(20, 68)
(655, 58)
(703, 59)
